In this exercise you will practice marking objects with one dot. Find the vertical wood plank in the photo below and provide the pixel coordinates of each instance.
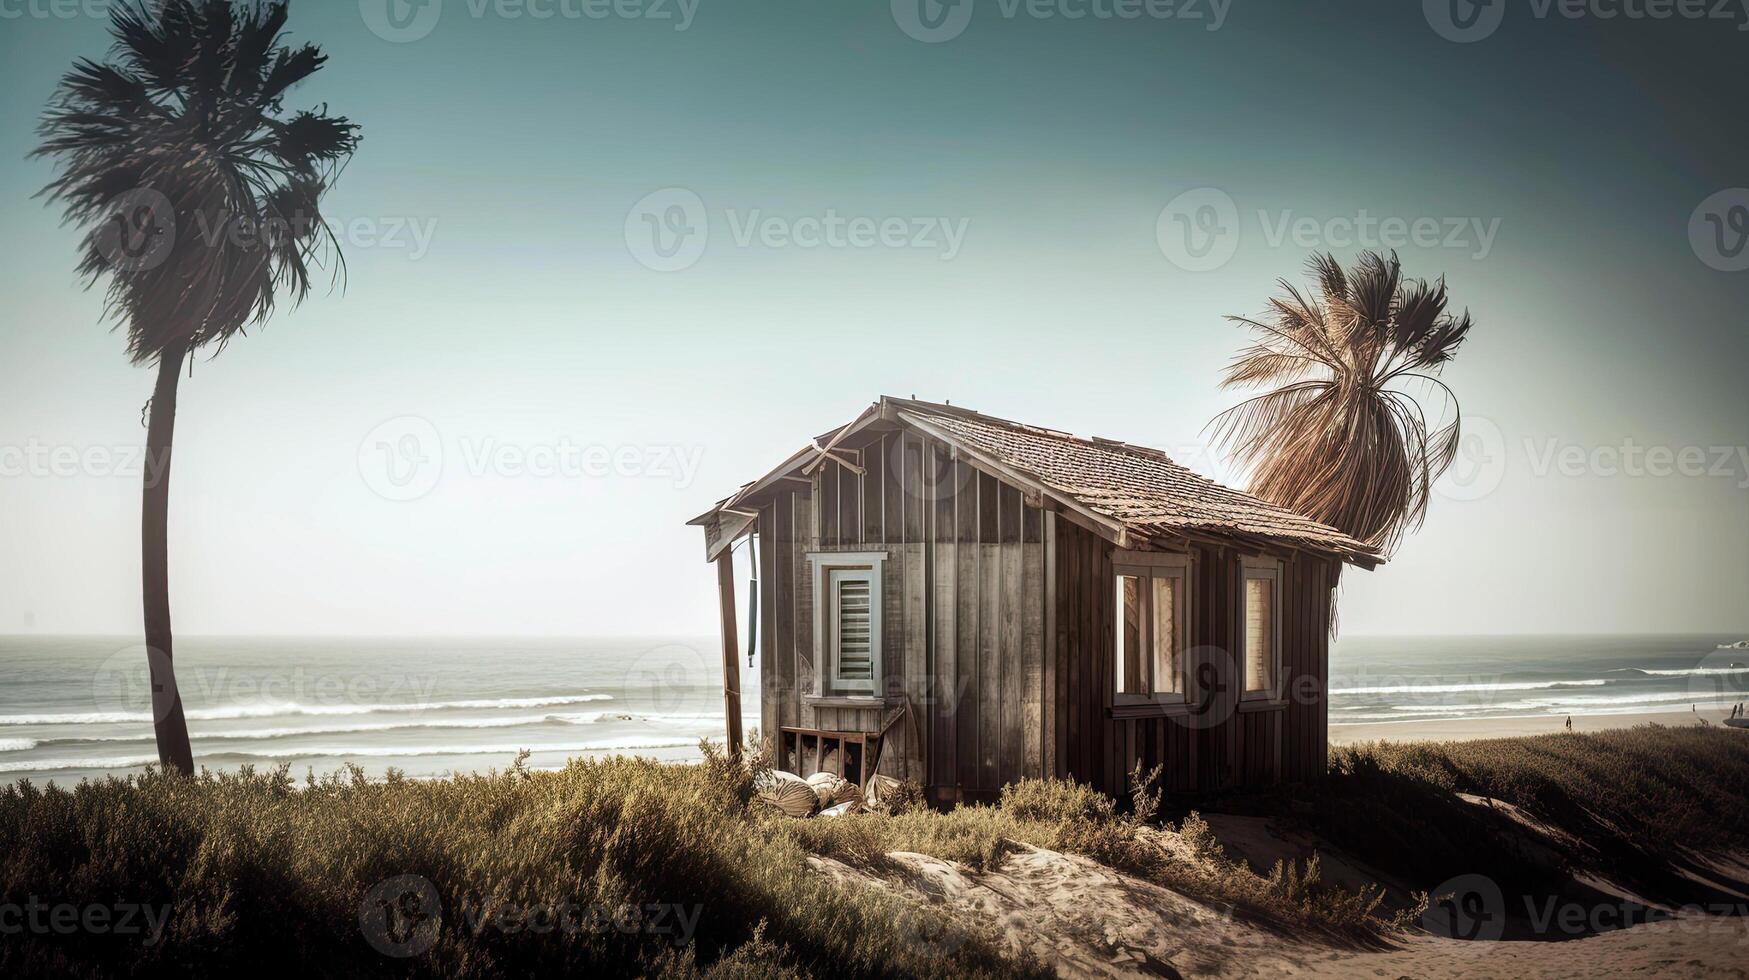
(968, 680)
(873, 484)
(827, 479)
(1053, 640)
(1013, 663)
(916, 649)
(799, 661)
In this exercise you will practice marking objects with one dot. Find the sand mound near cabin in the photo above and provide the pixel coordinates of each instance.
(1087, 920)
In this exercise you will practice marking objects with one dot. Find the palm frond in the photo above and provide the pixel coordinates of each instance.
(187, 116)
(1338, 436)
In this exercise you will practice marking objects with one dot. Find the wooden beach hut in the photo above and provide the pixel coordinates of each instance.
(967, 601)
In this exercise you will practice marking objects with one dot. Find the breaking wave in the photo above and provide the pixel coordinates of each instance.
(287, 710)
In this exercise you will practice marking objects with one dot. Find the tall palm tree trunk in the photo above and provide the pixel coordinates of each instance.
(168, 722)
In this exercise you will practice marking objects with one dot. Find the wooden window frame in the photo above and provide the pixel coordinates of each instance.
(1148, 566)
(1268, 569)
(828, 567)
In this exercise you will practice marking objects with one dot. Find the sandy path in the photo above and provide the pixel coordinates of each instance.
(1703, 947)
(1088, 920)
(1471, 728)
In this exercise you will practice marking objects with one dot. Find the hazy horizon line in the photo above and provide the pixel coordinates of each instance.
(715, 636)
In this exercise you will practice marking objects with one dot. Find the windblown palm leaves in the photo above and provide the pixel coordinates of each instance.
(1344, 435)
(199, 192)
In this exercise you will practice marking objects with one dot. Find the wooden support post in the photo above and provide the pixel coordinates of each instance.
(731, 666)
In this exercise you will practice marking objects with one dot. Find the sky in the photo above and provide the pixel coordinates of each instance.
(608, 261)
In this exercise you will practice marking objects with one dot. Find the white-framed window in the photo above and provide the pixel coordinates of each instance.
(1153, 626)
(1260, 627)
(847, 621)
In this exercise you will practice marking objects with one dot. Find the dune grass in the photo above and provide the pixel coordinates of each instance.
(255, 871)
(1641, 806)
(1075, 819)
(673, 870)
(1654, 788)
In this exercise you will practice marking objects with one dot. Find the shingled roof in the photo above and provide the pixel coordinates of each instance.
(1134, 489)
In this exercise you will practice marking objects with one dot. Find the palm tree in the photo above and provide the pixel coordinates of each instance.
(199, 194)
(1343, 434)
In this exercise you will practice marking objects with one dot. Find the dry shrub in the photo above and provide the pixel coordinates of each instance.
(255, 869)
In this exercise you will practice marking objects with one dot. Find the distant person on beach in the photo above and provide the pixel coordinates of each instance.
(1569, 723)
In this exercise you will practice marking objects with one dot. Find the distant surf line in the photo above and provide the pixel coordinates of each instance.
(584, 718)
(289, 709)
(1465, 688)
(342, 753)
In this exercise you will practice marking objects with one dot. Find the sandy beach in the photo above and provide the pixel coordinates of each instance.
(1462, 729)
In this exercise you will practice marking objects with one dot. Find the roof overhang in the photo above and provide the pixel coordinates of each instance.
(734, 516)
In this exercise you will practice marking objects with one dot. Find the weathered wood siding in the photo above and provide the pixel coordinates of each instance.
(997, 634)
(964, 592)
(1223, 741)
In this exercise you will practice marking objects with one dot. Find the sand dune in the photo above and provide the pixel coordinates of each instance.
(1087, 920)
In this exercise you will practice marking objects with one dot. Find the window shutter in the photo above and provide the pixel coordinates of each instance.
(855, 636)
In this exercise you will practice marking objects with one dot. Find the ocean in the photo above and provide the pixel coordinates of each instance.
(75, 707)
(1424, 678)
(72, 707)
